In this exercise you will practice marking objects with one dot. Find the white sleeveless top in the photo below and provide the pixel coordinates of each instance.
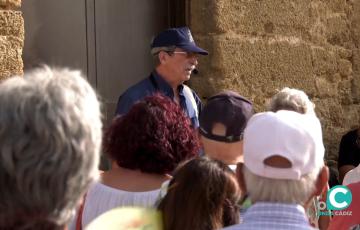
(101, 198)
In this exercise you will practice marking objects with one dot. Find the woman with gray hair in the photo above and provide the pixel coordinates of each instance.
(291, 99)
(50, 139)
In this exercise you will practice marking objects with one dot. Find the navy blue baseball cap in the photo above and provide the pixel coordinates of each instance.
(179, 37)
(230, 109)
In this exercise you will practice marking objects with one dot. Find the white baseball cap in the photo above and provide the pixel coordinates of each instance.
(290, 135)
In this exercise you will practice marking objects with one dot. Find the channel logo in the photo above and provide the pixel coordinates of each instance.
(338, 198)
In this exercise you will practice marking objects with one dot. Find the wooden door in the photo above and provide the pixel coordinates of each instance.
(123, 32)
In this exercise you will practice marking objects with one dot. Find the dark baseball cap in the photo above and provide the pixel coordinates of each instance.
(179, 37)
(230, 109)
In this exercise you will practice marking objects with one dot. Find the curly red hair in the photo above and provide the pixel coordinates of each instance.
(154, 136)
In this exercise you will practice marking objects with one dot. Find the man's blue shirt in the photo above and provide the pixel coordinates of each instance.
(152, 84)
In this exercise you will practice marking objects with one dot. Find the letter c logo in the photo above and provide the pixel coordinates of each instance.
(338, 198)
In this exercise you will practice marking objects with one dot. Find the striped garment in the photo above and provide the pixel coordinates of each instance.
(277, 216)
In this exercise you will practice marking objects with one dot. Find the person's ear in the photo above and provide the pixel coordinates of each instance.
(163, 57)
(321, 185)
(322, 181)
(240, 177)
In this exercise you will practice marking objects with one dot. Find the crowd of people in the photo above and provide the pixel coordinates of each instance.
(221, 165)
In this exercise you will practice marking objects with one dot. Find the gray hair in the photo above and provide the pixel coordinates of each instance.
(156, 50)
(50, 138)
(291, 99)
(282, 191)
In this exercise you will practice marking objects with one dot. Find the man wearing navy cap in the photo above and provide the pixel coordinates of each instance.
(175, 55)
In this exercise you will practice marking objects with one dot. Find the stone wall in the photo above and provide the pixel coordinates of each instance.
(11, 38)
(260, 46)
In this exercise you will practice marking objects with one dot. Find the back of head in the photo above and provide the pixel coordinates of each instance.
(229, 109)
(203, 194)
(222, 122)
(283, 153)
(50, 139)
(291, 99)
(154, 136)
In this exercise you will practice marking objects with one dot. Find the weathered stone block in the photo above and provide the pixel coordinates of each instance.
(324, 61)
(11, 42)
(345, 67)
(10, 3)
(338, 6)
(338, 30)
(345, 94)
(355, 23)
(344, 53)
(334, 122)
(203, 17)
(264, 17)
(11, 23)
(325, 88)
(355, 89)
(257, 68)
(267, 65)
(10, 56)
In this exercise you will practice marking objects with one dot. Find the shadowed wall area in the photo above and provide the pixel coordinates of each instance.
(11, 38)
(260, 46)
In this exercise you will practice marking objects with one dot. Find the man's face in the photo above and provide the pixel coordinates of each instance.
(181, 64)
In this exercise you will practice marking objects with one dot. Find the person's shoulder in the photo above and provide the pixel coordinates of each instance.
(134, 94)
(139, 89)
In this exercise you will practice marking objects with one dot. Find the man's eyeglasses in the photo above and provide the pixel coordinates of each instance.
(188, 54)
